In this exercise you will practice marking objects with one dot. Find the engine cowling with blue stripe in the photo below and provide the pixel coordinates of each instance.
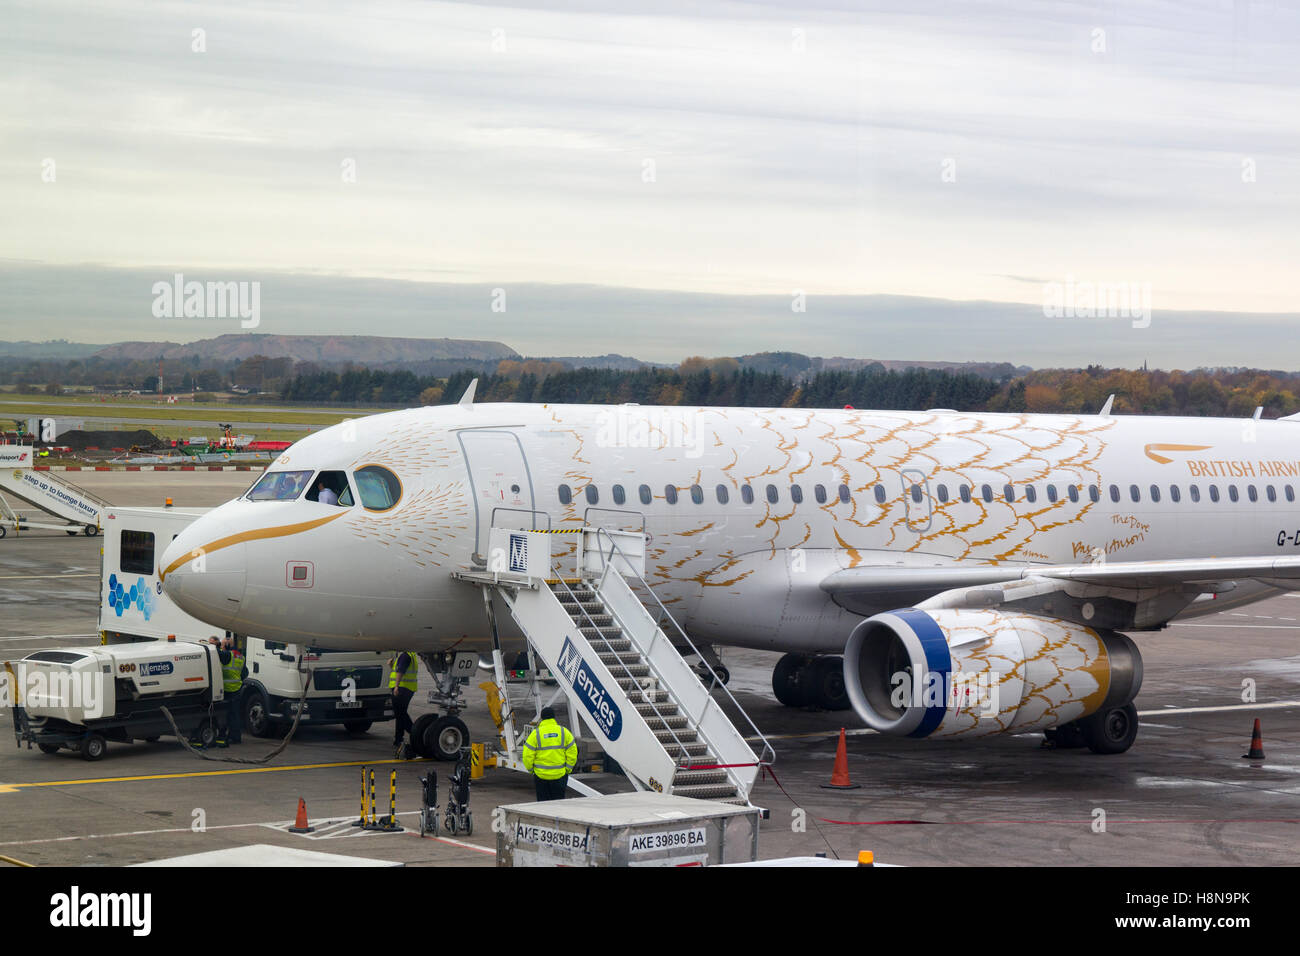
(950, 673)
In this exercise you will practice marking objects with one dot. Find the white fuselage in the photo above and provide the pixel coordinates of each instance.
(920, 488)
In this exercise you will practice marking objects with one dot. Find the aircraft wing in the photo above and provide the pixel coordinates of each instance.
(1130, 594)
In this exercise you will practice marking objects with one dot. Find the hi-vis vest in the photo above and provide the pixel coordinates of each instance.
(231, 679)
(550, 751)
(411, 679)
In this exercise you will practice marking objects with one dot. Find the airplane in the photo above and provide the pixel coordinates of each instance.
(876, 549)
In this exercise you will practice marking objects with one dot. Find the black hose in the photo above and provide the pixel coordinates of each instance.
(306, 685)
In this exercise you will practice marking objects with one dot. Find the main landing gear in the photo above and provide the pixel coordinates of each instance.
(802, 680)
(1112, 730)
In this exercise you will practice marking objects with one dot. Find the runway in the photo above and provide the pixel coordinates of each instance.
(1181, 796)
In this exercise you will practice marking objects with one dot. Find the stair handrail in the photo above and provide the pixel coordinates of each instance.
(769, 752)
(684, 757)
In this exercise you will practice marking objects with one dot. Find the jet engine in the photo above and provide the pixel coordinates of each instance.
(965, 672)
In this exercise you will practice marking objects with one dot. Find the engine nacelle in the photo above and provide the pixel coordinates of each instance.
(948, 673)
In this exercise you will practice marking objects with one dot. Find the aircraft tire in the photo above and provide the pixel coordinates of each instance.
(420, 732)
(1111, 731)
(825, 681)
(789, 681)
(446, 737)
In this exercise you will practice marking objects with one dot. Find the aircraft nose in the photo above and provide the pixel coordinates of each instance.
(203, 573)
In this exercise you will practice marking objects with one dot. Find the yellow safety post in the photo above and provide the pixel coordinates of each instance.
(475, 761)
(389, 824)
(362, 820)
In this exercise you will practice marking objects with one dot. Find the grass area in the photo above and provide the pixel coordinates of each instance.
(235, 414)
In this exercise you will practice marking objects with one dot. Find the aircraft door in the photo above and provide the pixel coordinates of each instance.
(499, 479)
(916, 496)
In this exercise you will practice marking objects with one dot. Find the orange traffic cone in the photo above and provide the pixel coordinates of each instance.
(840, 772)
(300, 825)
(1256, 745)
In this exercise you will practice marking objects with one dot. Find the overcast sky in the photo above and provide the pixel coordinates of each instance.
(960, 150)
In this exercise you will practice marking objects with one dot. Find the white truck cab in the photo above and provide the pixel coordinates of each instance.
(347, 687)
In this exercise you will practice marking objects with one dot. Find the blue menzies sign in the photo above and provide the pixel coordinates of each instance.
(591, 691)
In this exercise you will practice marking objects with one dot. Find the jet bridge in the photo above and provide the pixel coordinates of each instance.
(616, 664)
(75, 507)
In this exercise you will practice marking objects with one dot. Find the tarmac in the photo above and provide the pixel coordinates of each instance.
(1181, 796)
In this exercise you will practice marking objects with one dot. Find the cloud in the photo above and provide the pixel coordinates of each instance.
(927, 149)
(98, 304)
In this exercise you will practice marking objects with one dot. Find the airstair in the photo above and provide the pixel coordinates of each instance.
(79, 509)
(617, 665)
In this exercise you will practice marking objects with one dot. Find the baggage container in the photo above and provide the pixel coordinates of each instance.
(627, 829)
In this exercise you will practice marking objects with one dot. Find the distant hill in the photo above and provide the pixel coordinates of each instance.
(798, 366)
(323, 349)
(622, 363)
(56, 349)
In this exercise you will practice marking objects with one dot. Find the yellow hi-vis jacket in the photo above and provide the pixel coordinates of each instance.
(232, 673)
(411, 679)
(550, 751)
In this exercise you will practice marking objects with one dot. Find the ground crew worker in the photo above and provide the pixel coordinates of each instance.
(233, 672)
(403, 681)
(550, 754)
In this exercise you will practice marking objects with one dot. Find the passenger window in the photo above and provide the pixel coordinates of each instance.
(1251, 493)
(943, 494)
(328, 488)
(566, 495)
(697, 494)
(1174, 495)
(137, 552)
(1009, 493)
(880, 494)
(964, 490)
(670, 494)
(1114, 492)
(619, 496)
(1094, 493)
(819, 492)
(1214, 492)
(796, 494)
(377, 487)
(1290, 493)
(1232, 493)
(593, 496)
(747, 494)
(1073, 492)
(1155, 493)
(645, 494)
(1135, 493)
(1195, 492)
(772, 496)
(723, 494)
(844, 493)
(986, 492)
(1051, 493)
(1031, 494)
(1271, 492)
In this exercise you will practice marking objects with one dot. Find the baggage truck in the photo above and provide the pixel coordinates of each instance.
(346, 687)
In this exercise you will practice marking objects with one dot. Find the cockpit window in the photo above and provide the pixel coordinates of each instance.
(279, 486)
(377, 487)
(330, 488)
